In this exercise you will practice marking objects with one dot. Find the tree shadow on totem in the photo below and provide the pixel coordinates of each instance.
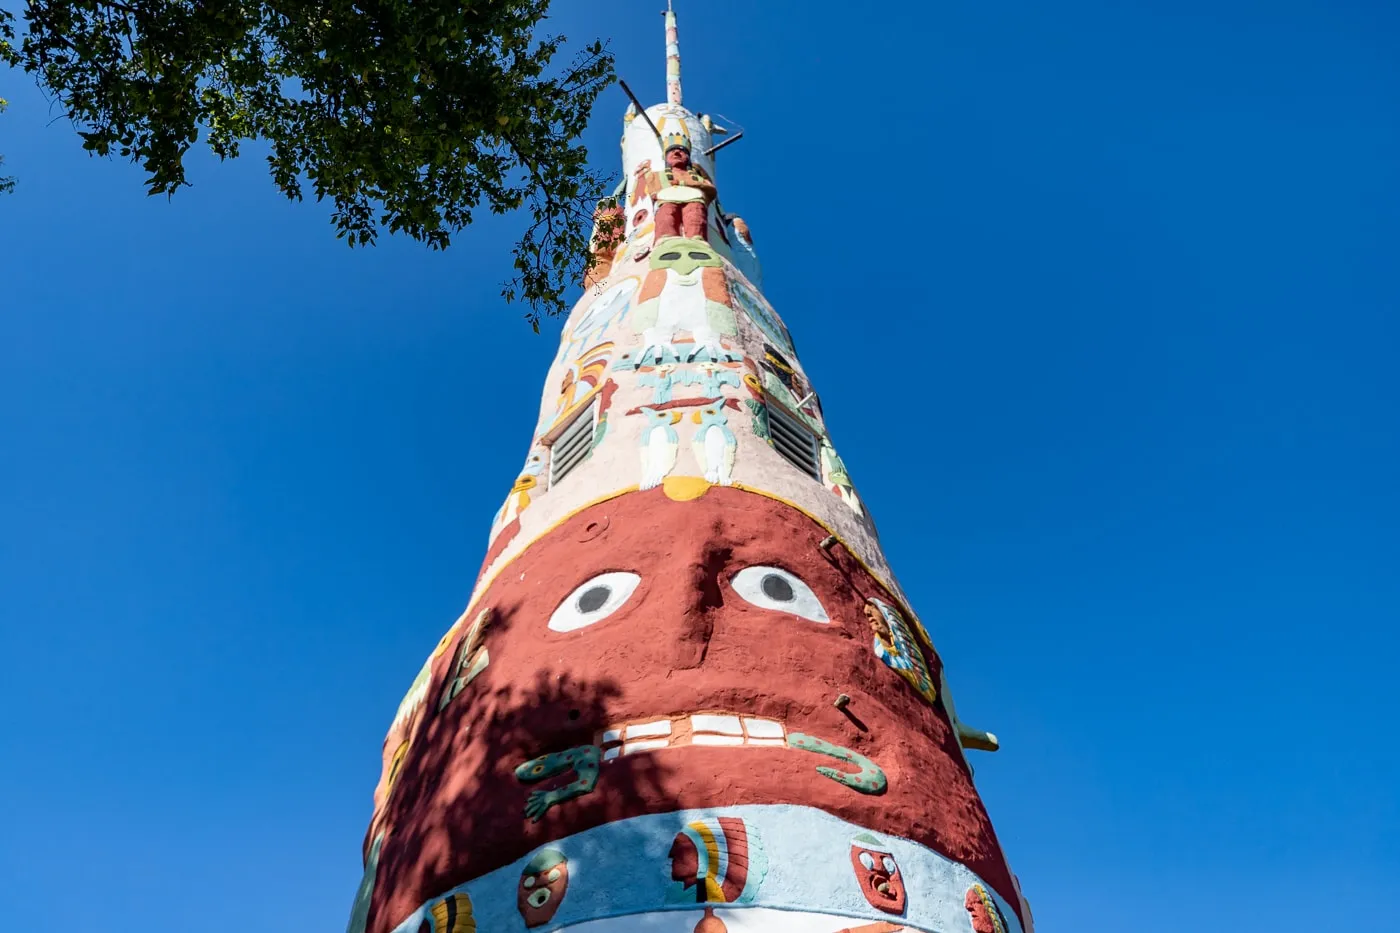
(462, 805)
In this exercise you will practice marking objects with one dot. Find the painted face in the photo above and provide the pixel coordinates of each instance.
(880, 879)
(878, 625)
(685, 256)
(678, 158)
(716, 861)
(983, 911)
(543, 882)
(625, 647)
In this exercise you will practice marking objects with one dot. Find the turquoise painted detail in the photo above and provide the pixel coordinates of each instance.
(764, 318)
(870, 779)
(359, 912)
(760, 417)
(582, 760)
(625, 870)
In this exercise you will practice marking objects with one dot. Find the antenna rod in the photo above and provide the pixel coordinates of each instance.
(673, 57)
(718, 146)
(640, 109)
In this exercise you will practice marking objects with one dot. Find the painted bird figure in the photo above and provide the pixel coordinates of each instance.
(710, 376)
(837, 479)
(663, 380)
(714, 445)
(519, 498)
(660, 446)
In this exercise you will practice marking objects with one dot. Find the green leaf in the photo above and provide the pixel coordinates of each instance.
(406, 116)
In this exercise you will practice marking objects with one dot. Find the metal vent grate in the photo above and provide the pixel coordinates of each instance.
(573, 444)
(793, 440)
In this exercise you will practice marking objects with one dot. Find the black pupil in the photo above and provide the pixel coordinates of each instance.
(593, 598)
(777, 588)
(670, 256)
(699, 255)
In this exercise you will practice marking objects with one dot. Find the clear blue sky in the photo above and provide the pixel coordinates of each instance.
(1102, 301)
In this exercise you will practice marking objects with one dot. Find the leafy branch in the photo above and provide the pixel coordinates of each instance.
(407, 115)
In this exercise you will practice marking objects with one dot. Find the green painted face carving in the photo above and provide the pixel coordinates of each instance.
(683, 255)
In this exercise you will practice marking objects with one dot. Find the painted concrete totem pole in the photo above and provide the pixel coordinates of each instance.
(687, 693)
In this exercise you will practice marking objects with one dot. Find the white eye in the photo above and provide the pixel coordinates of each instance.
(772, 588)
(867, 860)
(594, 601)
(538, 898)
(889, 864)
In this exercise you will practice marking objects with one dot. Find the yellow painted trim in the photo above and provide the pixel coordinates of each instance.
(685, 488)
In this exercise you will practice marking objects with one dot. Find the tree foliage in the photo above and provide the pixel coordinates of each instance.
(408, 115)
(7, 183)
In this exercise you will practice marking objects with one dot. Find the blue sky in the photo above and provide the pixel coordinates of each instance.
(1102, 303)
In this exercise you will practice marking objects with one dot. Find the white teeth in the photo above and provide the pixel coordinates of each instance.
(705, 729)
(713, 722)
(640, 729)
(763, 729)
(703, 738)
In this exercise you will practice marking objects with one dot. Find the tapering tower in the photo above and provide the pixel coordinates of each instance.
(687, 693)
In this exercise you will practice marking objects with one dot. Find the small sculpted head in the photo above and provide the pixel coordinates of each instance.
(543, 883)
(678, 156)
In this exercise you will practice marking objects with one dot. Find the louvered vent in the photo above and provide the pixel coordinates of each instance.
(572, 445)
(792, 439)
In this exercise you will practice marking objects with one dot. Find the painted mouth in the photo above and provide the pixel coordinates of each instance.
(709, 728)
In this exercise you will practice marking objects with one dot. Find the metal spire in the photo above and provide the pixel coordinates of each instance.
(673, 58)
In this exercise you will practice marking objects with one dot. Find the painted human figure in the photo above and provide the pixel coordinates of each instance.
(682, 192)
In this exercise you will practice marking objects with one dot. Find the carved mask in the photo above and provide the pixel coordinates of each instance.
(543, 882)
(879, 877)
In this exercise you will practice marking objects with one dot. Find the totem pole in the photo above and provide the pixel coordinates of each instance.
(688, 693)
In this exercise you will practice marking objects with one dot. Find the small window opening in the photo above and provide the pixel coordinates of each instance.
(573, 444)
(791, 438)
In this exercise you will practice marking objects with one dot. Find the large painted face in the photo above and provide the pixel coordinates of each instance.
(543, 882)
(678, 157)
(625, 647)
(685, 256)
(880, 879)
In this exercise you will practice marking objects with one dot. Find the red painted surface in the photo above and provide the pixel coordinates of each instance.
(685, 641)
